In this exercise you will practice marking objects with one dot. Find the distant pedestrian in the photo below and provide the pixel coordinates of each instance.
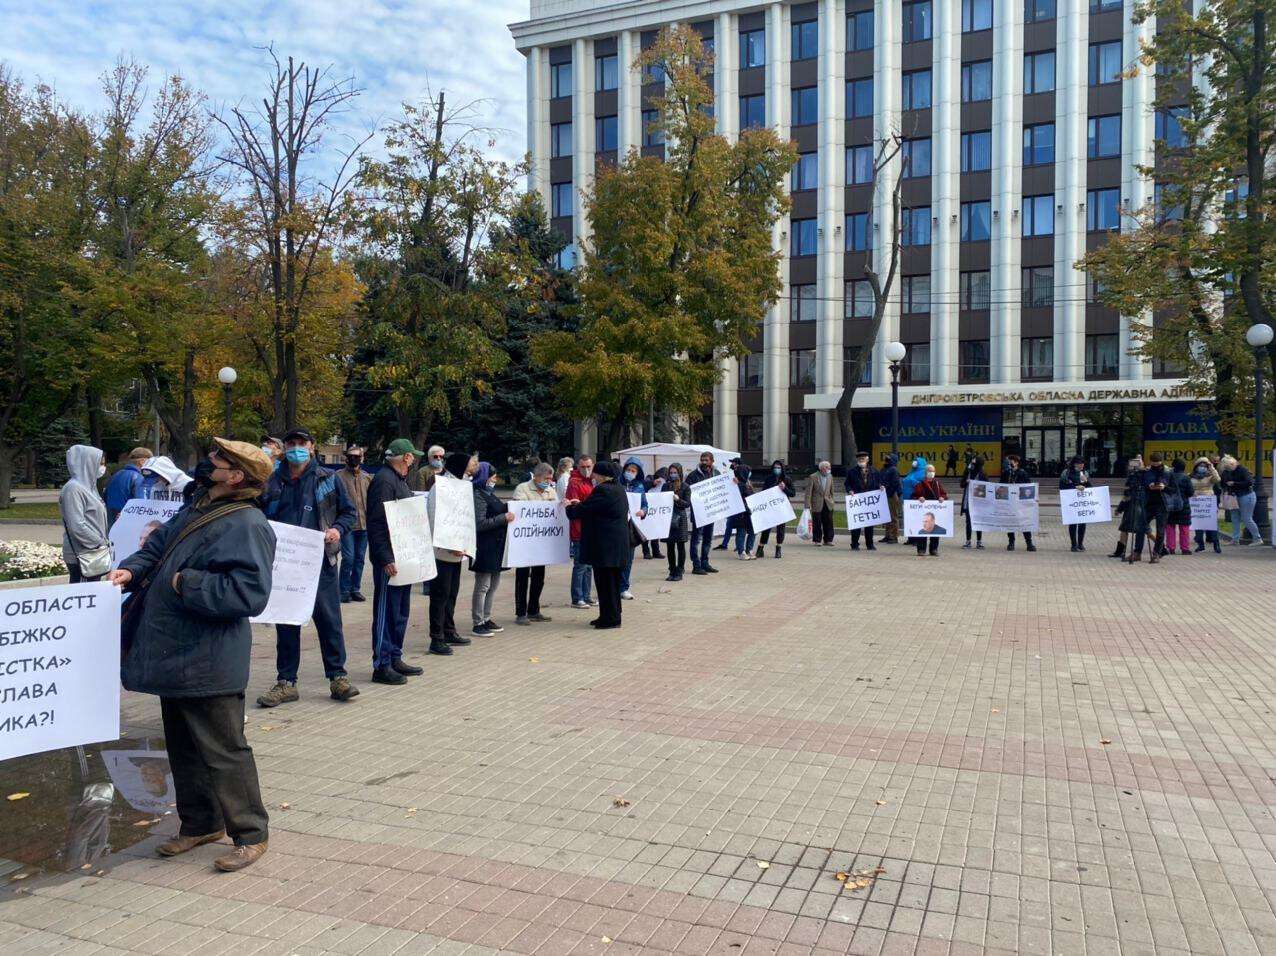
(125, 484)
(85, 547)
(354, 543)
(950, 462)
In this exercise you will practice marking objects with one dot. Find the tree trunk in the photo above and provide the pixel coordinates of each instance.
(93, 402)
(421, 434)
(291, 385)
(844, 425)
(7, 455)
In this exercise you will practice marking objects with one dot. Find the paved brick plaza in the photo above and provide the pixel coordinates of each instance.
(1016, 753)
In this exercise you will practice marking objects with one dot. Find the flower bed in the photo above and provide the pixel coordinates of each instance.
(23, 560)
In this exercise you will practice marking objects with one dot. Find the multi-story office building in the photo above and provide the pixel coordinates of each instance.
(1024, 124)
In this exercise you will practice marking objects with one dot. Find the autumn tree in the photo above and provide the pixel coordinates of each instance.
(680, 269)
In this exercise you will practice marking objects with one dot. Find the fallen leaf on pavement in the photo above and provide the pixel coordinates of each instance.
(996, 711)
(87, 866)
(842, 876)
(1105, 740)
(268, 727)
(19, 876)
(606, 939)
(534, 660)
(763, 865)
(881, 803)
(17, 796)
(411, 809)
(620, 802)
(285, 806)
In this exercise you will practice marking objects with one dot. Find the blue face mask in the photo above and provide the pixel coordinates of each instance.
(776, 471)
(542, 485)
(297, 456)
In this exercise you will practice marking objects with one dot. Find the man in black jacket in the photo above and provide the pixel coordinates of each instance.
(604, 539)
(391, 602)
(199, 578)
(1015, 475)
(863, 477)
(701, 538)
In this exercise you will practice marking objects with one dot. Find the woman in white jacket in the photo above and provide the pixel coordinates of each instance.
(85, 546)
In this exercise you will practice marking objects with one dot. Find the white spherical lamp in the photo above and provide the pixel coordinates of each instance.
(1259, 336)
(895, 351)
(227, 375)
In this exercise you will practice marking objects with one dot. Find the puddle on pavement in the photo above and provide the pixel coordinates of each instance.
(84, 805)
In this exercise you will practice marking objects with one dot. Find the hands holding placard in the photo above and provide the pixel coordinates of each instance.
(331, 536)
(120, 577)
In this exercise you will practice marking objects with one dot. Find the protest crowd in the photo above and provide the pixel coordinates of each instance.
(205, 562)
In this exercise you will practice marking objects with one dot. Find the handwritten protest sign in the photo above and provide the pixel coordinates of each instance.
(294, 576)
(1000, 507)
(770, 508)
(454, 515)
(1085, 505)
(1204, 512)
(867, 509)
(59, 667)
(539, 535)
(928, 519)
(408, 521)
(655, 526)
(137, 520)
(715, 499)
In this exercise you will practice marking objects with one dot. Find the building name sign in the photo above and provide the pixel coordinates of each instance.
(1133, 393)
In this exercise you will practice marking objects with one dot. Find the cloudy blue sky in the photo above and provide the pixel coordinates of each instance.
(394, 48)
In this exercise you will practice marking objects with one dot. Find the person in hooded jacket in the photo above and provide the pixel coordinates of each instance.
(742, 524)
(1178, 522)
(1132, 508)
(679, 525)
(915, 474)
(634, 482)
(162, 480)
(529, 582)
(863, 477)
(1205, 481)
(1075, 476)
(126, 484)
(891, 483)
(974, 472)
(491, 517)
(930, 488)
(777, 477)
(85, 547)
(604, 539)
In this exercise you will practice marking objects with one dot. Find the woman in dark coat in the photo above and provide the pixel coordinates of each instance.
(491, 515)
(777, 477)
(1179, 520)
(604, 539)
(974, 472)
(1073, 477)
(679, 526)
(1158, 485)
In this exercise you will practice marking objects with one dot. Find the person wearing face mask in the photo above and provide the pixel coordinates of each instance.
(1016, 475)
(579, 487)
(701, 538)
(354, 545)
(974, 472)
(424, 481)
(863, 477)
(1132, 508)
(1075, 476)
(1178, 522)
(633, 481)
(85, 547)
(929, 488)
(1205, 481)
(193, 586)
(273, 449)
(679, 524)
(303, 493)
(776, 478)
(530, 582)
(162, 480)
(126, 484)
(819, 499)
(491, 517)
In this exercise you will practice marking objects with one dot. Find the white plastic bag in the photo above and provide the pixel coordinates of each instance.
(804, 525)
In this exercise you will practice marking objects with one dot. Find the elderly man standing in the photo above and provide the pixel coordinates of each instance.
(125, 484)
(194, 585)
(819, 498)
(354, 545)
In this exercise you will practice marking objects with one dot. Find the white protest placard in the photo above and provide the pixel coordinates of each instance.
(1204, 512)
(928, 519)
(138, 518)
(540, 534)
(770, 508)
(867, 509)
(59, 667)
(715, 499)
(655, 526)
(408, 521)
(1000, 507)
(143, 778)
(299, 555)
(1085, 505)
(454, 515)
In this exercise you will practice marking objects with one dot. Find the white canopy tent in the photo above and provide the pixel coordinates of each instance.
(660, 454)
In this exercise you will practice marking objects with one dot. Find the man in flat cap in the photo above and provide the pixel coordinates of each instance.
(192, 588)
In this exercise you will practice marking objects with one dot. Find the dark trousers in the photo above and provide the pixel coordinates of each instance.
(214, 773)
(1027, 537)
(1076, 534)
(979, 535)
(1157, 536)
(528, 584)
(607, 580)
(354, 547)
(76, 577)
(1204, 536)
(868, 536)
(921, 545)
(701, 542)
(822, 525)
(677, 552)
(327, 618)
(391, 604)
(766, 535)
(651, 549)
(443, 592)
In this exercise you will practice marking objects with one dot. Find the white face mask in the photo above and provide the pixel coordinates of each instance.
(630, 475)
(930, 475)
(101, 470)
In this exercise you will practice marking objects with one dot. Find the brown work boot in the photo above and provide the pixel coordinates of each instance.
(341, 689)
(182, 844)
(285, 692)
(241, 857)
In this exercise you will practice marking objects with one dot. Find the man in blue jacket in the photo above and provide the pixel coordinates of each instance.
(303, 493)
(125, 484)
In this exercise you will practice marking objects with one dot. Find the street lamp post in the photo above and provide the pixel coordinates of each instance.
(227, 377)
(1259, 337)
(895, 353)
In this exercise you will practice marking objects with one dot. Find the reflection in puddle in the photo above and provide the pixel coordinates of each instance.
(85, 803)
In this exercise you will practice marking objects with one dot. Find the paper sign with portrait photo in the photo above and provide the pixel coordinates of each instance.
(928, 519)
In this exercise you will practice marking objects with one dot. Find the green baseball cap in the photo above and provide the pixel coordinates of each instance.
(402, 446)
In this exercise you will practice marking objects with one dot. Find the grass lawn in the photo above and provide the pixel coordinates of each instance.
(30, 509)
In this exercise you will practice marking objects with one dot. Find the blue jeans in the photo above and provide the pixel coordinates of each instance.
(390, 607)
(1245, 517)
(744, 539)
(327, 618)
(701, 542)
(354, 546)
(582, 576)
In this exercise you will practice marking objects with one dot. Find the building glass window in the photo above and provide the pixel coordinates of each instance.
(859, 31)
(566, 258)
(976, 221)
(919, 21)
(916, 157)
(560, 140)
(560, 80)
(859, 300)
(1038, 216)
(751, 433)
(1102, 210)
(914, 294)
(975, 290)
(1103, 136)
(752, 49)
(801, 368)
(606, 134)
(859, 236)
(1036, 358)
(916, 90)
(1101, 359)
(1103, 6)
(561, 201)
(1038, 287)
(915, 369)
(915, 226)
(1169, 128)
(805, 38)
(652, 135)
(753, 111)
(806, 172)
(802, 431)
(850, 356)
(606, 72)
(859, 165)
(806, 106)
(973, 361)
(976, 81)
(1105, 62)
(976, 15)
(750, 370)
(802, 303)
(859, 98)
(1167, 210)
(1038, 144)
(976, 151)
(802, 237)
(1038, 72)
(1035, 11)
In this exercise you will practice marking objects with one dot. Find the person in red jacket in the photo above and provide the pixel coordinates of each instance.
(579, 487)
(929, 488)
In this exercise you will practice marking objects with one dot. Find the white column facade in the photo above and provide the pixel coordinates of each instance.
(830, 288)
(886, 123)
(1138, 148)
(945, 194)
(1070, 123)
(582, 134)
(629, 94)
(726, 419)
(1007, 191)
(726, 75)
(775, 334)
(538, 124)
